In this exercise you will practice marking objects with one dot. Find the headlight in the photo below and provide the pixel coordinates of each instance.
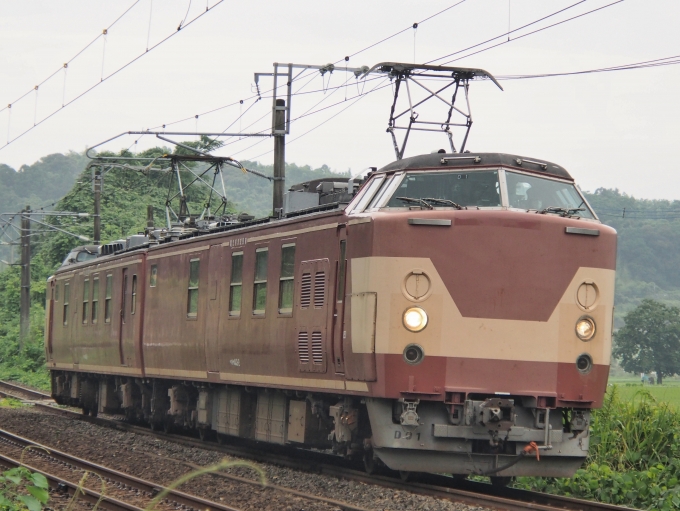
(585, 328)
(415, 319)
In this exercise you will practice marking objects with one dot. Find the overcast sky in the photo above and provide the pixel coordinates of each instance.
(617, 129)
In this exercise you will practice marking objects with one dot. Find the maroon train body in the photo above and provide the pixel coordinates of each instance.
(454, 317)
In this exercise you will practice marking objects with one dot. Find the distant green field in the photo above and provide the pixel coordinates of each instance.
(629, 388)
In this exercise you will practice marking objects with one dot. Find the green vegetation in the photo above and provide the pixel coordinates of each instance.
(126, 194)
(634, 457)
(648, 248)
(10, 402)
(629, 390)
(650, 340)
(21, 489)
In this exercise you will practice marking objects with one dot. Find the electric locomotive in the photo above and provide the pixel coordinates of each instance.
(452, 315)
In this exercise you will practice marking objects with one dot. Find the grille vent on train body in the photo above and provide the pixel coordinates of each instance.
(319, 289)
(317, 348)
(303, 347)
(306, 290)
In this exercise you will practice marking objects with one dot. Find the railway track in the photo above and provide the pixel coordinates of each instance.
(20, 392)
(433, 485)
(123, 492)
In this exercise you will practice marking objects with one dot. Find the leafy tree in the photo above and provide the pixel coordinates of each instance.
(650, 340)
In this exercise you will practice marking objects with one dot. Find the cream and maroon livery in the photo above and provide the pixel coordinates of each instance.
(498, 365)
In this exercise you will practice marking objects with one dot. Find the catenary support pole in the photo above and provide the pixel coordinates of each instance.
(149, 216)
(25, 304)
(279, 125)
(97, 184)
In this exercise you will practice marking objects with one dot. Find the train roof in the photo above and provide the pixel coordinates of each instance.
(442, 161)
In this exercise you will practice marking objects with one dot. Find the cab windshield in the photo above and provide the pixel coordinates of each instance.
(545, 195)
(448, 189)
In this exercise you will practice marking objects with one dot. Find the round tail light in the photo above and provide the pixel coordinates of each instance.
(584, 363)
(413, 354)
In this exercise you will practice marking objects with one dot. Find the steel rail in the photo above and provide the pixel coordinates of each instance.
(185, 500)
(12, 388)
(439, 486)
(57, 484)
(188, 442)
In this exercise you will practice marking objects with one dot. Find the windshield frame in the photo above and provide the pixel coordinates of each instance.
(360, 204)
(549, 178)
(406, 207)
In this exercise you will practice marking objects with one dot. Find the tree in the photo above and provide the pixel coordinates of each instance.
(650, 340)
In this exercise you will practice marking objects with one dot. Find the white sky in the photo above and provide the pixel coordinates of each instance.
(616, 129)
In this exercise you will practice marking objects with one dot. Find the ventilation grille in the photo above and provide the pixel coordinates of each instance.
(306, 291)
(303, 347)
(317, 348)
(319, 289)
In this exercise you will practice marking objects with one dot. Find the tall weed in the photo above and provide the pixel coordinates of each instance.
(635, 434)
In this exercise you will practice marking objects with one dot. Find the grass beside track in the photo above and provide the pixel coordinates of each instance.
(630, 389)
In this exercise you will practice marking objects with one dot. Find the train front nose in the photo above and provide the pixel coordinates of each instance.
(516, 343)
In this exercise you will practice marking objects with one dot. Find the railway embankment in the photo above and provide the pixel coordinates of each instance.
(163, 461)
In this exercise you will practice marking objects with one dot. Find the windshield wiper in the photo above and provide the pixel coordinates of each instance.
(444, 201)
(422, 202)
(560, 211)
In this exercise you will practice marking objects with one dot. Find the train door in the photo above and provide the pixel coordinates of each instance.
(339, 301)
(212, 318)
(312, 314)
(122, 327)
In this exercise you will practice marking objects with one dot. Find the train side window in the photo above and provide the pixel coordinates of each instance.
(236, 284)
(56, 292)
(107, 299)
(192, 298)
(286, 283)
(67, 288)
(154, 275)
(133, 302)
(342, 263)
(260, 284)
(368, 193)
(86, 299)
(95, 299)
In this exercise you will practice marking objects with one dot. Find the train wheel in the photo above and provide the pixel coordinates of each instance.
(370, 463)
(93, 412)
(202, 434)
(220, 438)
(130, 415)
(154, 426)
(167, 426)
(86, 411)
(405, 475)
(500, 481)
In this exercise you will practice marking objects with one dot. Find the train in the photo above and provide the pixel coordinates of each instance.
(452, 313)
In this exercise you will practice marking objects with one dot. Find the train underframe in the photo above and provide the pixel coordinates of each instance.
(498, 436)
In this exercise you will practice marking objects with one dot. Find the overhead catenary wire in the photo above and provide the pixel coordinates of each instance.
(410, 27)
(121, 68)
(356, 100)
(69, 61)
(324, 98)
(471, 47)
(508, 32)
(535, 31)
(665, 61)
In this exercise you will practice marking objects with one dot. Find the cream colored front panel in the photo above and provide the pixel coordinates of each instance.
(449, 334)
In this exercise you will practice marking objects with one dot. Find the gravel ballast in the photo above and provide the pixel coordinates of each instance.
(163, 461)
